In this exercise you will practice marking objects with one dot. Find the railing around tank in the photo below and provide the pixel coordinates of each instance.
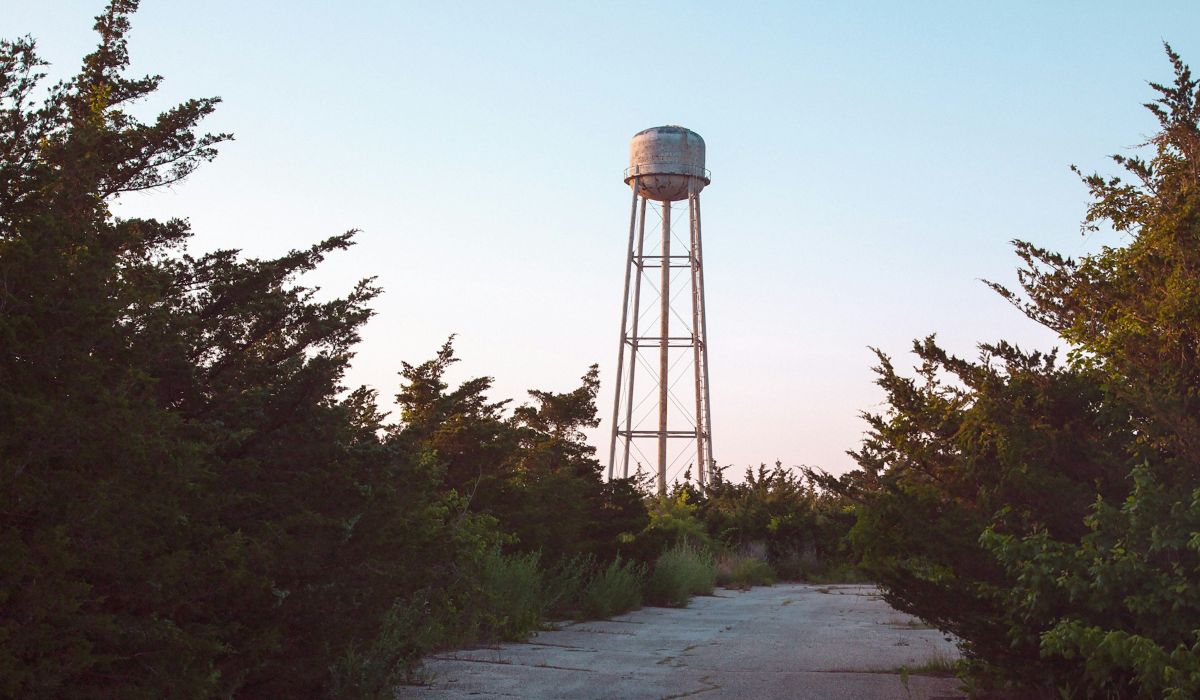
(635, 170)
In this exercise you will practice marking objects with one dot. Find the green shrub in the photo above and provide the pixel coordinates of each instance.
(782, 512)
(1045, 511)
(512, 594)
(680, 573)
(743, 571)
(564, 583)
(840, 572)
(614, 589)
(797, 565)
(753, 572)
(812, 567)
(414, 627)
(672, 521)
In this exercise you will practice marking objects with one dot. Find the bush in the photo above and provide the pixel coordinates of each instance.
(564, 584)
(1044, 510)
(680, 573)
(837, 573)
(812, 567)
(743, 571)
(613, 590)
(225, 517)
(414, 627)
(793, 565)
(796, 525)
(672, 521)
(512, 596)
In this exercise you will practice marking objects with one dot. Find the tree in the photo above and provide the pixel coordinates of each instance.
(532, 470)
(802, 528)
(87, 560)
(1044, 511)
(1131, 619)
(193, 505)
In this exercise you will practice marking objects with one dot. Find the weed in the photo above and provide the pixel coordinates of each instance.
(563, 586)
(908, 623)
(512, 588)
(680, 573)
(838, 573)
(743, 571)
(613, 590)
(939, 664)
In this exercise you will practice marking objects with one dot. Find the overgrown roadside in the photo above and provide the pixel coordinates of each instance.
(789, 640)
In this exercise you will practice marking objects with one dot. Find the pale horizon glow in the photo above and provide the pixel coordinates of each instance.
(870, 164)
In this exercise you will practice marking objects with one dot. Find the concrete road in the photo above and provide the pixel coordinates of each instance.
(787, 641)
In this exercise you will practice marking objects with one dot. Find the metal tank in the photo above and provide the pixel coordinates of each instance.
(662, 159)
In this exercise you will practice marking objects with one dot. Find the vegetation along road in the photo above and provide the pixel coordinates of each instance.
(786, 641)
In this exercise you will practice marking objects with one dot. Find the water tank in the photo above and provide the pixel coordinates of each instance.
(663, 159)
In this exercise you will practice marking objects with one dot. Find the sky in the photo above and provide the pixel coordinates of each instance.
(871, 163)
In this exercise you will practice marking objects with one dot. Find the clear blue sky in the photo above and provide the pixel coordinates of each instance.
(870, 163)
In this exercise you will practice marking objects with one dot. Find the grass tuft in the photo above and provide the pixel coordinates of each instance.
(513, 590)
(614, 589)
(939, 664)
(743, 571)
(681, 572)
(563, 586)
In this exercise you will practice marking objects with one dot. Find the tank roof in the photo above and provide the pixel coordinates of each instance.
(666, 127)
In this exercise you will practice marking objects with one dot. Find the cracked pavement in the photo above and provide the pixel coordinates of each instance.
(796, 641)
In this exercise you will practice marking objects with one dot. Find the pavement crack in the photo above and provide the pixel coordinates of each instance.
(624, 622)
(560, 668)
(507, 662)
(706, 680)
(499, 662)
(571, 647)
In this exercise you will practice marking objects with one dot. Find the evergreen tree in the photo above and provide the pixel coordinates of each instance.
(531, 470)
(193, 505)
(98, 481)
(1046, 511)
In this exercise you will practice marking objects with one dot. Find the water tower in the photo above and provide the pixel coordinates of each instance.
(662, 340)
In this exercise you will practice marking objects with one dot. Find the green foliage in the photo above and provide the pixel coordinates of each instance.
(615, 589)
(81, 435)
(514, 597)
(412, 628)
(193, 503)
(743, 571)
(680, 573)
(671, 521)
(802, 528)
(533, 471)
(836, 573)
(564, 583)
(1045, 512)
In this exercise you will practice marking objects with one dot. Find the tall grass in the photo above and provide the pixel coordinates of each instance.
(513, 593)
(615, 589)
(681, 572)
(806, 565)
(743, 571)
(563, 586)
(838, 573)
(505, 597)
(391, 658)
